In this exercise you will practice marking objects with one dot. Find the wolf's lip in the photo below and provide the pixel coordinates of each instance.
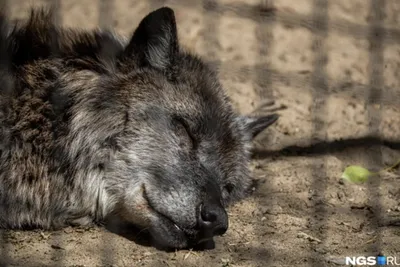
(177, 228)
(159, 213)
(206, 239)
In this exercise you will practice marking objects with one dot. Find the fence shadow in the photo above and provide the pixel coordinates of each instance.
(326, 147)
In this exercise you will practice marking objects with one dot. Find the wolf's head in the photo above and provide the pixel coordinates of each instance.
(184, 153)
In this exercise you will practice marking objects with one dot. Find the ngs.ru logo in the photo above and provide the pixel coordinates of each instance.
(372, 261)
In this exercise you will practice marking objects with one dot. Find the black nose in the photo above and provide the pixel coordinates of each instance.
(213, 220)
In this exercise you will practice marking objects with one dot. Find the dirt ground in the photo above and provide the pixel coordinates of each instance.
(334, 78)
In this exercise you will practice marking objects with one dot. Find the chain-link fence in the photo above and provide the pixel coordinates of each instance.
(331, 69)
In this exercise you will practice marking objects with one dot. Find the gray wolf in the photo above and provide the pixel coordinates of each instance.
(94, 125)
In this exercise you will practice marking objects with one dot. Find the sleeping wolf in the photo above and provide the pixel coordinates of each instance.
(93, 125)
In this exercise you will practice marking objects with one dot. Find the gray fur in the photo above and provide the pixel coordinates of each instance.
(91, 128)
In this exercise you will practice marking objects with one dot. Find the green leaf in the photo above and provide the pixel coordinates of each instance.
(356, 174)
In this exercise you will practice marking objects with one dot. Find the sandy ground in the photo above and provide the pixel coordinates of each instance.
(334, 79)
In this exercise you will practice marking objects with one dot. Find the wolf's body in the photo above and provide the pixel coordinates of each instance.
(92, 126)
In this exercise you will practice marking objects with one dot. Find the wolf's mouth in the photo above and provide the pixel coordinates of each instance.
(159, 214)
(165, 231)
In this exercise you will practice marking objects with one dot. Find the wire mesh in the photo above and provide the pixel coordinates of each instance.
(266, 77)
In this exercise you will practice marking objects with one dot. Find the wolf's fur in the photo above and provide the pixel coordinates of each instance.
(92, 126)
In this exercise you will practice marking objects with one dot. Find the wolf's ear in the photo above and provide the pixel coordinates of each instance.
(155, 41)
(255, 125)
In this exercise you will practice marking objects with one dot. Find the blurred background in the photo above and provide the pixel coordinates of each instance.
(331, 69)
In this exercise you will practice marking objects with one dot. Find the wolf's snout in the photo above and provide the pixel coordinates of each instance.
(213, 220)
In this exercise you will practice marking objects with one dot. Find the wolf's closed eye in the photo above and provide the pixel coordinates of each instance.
(182, 130)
